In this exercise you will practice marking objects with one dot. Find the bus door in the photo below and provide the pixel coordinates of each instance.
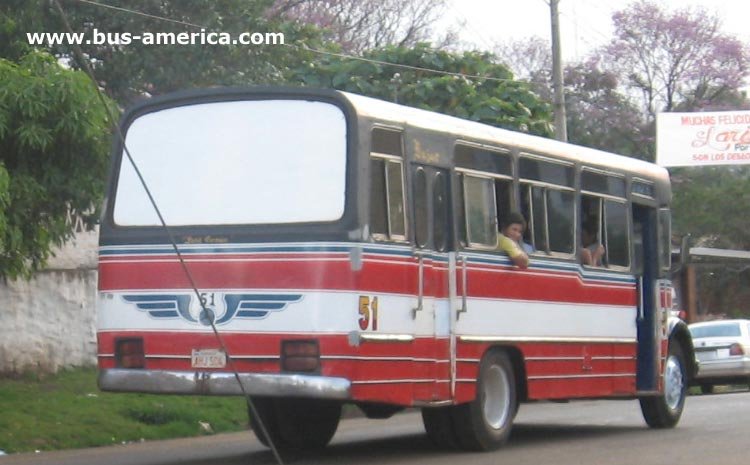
(433, 240)
(647, 315)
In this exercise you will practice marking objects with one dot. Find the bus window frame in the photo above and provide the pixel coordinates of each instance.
(628, 229)
(419, 216)
(465, 206)
(664, 240)
(640, 195)
(545, 185)
(528, 184)
(493, 177)
(603, 197)
(387, 158)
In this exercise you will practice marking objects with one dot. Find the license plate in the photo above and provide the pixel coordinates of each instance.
(209, 358)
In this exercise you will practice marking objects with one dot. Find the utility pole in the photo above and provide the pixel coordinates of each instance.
(561, 129)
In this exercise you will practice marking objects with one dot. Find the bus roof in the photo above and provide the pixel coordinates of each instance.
(461, 128)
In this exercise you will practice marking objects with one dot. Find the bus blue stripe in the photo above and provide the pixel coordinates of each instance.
(369, 249)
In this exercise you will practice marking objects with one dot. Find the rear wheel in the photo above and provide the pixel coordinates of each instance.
(293, 423)
(707, 388)
(665, 410)
(485, 423)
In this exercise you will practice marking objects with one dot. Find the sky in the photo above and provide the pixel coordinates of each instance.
(584, 24)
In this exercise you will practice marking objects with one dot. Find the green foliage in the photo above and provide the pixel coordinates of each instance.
(600, 116)
(711, 203)
(54, 140)
(500, 101)
(132, 71)
(67, 411)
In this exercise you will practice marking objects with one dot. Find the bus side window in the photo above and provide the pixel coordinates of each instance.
(480, 211)
(378, 209)
(533, 208)
(616, 233)
(665, 240)
(591, 220)
(387, 209)
(560, 215)
(605, 222)
(440, 209)
(460, 207)
(421, 224)
(550, 214)
(503, 199)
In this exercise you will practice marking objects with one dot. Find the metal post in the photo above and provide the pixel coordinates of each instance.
(561, 130)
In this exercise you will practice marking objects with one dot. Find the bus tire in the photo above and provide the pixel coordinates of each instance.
(438, 422)
(295, 423)
(665, 410)
(485, 423)
(707, 388)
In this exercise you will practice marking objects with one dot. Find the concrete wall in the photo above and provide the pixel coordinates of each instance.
(49, 322)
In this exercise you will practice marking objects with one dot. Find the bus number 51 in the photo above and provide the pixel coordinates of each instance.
(368, 311)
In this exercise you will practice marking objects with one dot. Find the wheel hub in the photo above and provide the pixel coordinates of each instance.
(673, 382)
(496, 406)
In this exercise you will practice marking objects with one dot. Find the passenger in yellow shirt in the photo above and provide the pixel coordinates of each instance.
(510, 237)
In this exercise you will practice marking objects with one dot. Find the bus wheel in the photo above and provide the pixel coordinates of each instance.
(707, 388)
(664, 410)
(485, 423)
(293, 423)
(438, 422)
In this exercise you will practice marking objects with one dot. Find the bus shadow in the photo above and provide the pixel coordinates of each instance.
(418, 446)
(546, 433)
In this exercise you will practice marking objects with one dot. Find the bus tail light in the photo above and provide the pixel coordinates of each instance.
(300, 355)
(129, 353)
(736, 349)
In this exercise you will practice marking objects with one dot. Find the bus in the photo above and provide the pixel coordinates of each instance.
(337, 249)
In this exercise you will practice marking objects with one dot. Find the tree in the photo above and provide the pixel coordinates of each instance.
(134, 70)
(675, 58)
(54, 141)
(359, 25)
(531, 60)
(494, 98)
(599, 115)
(711, 203)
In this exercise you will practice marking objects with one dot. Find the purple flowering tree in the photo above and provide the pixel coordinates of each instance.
(675, 60)
(359, 25)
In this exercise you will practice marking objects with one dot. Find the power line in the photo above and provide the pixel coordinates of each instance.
(587, 25)
(140, 13)
(310, 49)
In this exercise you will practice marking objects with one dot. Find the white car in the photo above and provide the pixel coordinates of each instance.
(722, 348)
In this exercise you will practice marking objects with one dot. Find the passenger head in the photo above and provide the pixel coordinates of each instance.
(514, 226)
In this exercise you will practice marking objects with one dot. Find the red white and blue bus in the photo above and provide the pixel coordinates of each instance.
(345, 250)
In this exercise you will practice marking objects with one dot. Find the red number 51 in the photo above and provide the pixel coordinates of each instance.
(368, 312)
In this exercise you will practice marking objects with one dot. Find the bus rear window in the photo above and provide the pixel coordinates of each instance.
(241, 162)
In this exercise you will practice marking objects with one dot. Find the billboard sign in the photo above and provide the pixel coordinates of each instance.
(705, 138)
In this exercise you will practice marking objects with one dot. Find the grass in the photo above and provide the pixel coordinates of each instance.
(67, 411)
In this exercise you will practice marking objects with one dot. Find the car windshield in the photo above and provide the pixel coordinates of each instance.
(725, 330)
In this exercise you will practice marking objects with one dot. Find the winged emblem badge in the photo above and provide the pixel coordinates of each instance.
(230, 306)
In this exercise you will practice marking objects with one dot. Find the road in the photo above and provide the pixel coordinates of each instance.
(713, 430)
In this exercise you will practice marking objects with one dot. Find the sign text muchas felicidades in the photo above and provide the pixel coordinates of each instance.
(706, 138)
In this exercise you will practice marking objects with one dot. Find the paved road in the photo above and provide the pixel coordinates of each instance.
(714, 430)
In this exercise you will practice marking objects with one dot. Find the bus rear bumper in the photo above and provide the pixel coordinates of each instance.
(223, 384)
